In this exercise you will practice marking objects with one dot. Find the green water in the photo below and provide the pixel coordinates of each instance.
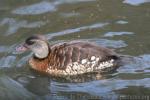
(119, 24)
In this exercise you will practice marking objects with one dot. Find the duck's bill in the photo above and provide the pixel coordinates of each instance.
(21, 48)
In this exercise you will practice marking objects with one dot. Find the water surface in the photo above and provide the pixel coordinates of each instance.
(122, 25)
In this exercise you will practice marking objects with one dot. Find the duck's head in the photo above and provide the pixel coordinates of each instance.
(37, 44)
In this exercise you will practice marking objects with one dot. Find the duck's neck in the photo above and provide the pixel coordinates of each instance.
(38, 64)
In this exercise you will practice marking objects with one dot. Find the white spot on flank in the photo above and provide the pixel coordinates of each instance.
(93, 58)
(93, 62)
(75, 63)
(64, 72)
(47, 70)
(67, 70)
(97, 59)
(106, 64)
(83, 61)
(88, 70)
(112, 60)
(75, 66)
(88, 63)
(92, 66)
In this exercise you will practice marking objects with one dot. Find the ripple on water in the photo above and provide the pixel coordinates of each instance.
(111, 34)
(67, 15)
(12, 90)
(8, 61)
(14, 25)
(99, 88)
(8, 49)
(111, 43)
(75, 30)
(3, 49)
(145, 61)
(136, 64)
(121, 22)
(43, 7)
(22, 61)
(38, 8)
(73, 1)
(136, 2)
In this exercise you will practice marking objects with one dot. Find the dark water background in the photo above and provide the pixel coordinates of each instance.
(123, 25)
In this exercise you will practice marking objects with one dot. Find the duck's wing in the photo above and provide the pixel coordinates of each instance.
(80, 52)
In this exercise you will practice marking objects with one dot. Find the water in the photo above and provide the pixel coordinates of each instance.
(122, 25)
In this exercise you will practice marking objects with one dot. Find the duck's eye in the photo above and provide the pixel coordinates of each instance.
(30, 42)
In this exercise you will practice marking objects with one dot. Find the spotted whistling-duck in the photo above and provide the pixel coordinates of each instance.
(68, 58)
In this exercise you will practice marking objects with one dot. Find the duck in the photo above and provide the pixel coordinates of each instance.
(75, 57)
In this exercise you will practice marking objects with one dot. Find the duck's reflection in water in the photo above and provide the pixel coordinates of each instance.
(87, 77)
(41, 84)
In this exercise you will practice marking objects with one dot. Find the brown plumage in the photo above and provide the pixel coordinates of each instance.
(70, 58)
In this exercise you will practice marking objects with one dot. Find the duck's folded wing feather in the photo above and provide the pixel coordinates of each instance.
(67, 53)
